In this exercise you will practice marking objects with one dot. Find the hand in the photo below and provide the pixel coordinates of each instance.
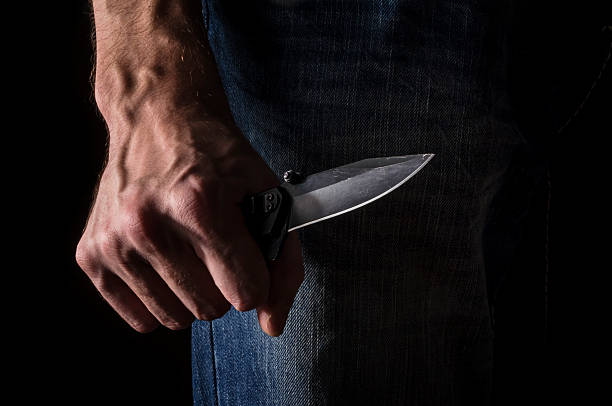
(166, 239)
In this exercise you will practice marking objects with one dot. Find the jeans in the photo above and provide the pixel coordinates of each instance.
(396, 303)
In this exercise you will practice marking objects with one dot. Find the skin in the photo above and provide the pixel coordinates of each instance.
(166, 241)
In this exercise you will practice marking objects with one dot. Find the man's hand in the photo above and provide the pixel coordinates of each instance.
(166, 239)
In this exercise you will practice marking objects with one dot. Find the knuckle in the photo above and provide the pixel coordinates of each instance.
(83, 256)
(210, 313)
(243, 306)
(134, 222)
(108, 244)
(205, 186)
(186, 202)
(143, 327)
(203, 194)
(177, 325)
(174, 320)
(248, 295)
(246, 302)
(199, 210)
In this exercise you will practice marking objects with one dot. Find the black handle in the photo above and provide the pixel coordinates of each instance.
(267, 217)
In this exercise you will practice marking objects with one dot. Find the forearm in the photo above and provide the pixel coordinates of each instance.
(154, 54)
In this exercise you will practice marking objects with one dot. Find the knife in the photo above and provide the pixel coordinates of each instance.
(302, 201)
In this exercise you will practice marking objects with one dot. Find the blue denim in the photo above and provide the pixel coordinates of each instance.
(395, 307)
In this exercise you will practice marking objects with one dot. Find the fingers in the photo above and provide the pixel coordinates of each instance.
(286, 277)
(116, 265)
(128, 305)
(182, 279)
(186, 279)
(192, 257)
(237, 268)
(231, 255)
(153, 292)
(120, 297)
(161, 277)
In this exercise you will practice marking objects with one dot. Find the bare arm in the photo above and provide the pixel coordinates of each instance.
(165, 240)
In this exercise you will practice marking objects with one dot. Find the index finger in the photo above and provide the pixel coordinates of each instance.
(233, 259)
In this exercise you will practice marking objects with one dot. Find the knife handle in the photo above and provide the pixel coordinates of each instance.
(267, 217)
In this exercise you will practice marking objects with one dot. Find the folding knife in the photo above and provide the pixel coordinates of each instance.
(302, 201)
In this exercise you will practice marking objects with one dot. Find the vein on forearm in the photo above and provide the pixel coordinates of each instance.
(145, 49)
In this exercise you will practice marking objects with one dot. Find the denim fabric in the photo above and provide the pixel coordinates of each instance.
(394, 308)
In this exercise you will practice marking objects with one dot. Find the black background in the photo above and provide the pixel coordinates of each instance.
(551, 312)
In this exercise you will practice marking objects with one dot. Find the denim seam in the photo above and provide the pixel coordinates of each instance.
(214, 363)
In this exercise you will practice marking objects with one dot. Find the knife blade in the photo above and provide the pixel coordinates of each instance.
(271, 214)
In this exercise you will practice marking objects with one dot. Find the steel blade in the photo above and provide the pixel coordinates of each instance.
(336, 191)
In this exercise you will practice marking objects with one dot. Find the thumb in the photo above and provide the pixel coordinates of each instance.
(286, 276)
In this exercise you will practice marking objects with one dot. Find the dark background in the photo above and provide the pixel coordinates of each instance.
(550, 311)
